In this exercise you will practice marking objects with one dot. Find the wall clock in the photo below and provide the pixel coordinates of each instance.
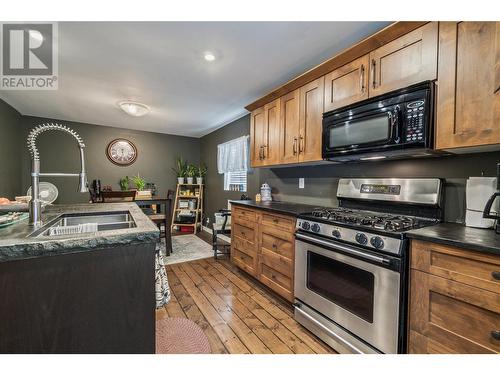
(121, 152)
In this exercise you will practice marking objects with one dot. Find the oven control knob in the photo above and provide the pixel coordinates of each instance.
(361, 238)
(315, 228)
(336, 233)
(306, 225)
(377, 242)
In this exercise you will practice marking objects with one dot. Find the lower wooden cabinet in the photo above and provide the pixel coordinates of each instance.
(263, 245)
(454, 300)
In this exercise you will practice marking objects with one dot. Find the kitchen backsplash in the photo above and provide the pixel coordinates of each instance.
(321, 180)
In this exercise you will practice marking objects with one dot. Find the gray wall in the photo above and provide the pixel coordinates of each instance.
(10, 142)
(215, 196)
(59, 153)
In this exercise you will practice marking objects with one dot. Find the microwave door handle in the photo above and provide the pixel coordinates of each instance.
(396, 125)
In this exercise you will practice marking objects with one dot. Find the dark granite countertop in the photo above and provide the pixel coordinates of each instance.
(484, 240)
(286, 208)
(15, 243)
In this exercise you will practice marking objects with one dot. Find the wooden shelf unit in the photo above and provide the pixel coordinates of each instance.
(198, 210)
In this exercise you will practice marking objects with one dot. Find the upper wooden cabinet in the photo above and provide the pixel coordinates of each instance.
(311, 106)
(289, 128)
(468, 104)
(347, 84)
(258, 137)
(407, 60)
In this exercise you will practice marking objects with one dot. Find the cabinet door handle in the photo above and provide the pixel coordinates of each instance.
(295, 145)
(496, 275)
(362, 78)
(301, 145)
(264, 151)
(261, 153)
(374, 80)
(495, 334)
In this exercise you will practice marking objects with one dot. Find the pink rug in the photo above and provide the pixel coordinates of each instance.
(180, 336)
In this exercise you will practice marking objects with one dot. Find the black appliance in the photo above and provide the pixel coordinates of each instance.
(351, 262)
(487, 210)
(396, 124)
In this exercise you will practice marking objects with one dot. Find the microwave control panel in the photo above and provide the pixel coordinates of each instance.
(415, 127)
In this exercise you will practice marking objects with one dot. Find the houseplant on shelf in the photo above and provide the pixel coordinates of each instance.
(191, 172)
(140, 183)
(124, 183)
(180, 170)
(202, 172)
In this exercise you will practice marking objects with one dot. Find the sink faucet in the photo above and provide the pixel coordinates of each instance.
(35, 204)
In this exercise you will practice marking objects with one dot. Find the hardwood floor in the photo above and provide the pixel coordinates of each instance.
(237, 314)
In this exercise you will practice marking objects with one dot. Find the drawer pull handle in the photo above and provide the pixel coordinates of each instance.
(275, 246)
(496, 275)
(276, 221)
(495, 334)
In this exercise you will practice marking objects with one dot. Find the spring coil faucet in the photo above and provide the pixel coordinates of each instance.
(35, 204)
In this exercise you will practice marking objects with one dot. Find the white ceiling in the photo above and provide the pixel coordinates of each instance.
(161, 64)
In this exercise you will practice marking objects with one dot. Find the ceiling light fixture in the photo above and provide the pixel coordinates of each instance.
(134, 109)
(209, 56)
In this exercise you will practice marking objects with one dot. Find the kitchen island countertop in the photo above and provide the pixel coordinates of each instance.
(15, 243)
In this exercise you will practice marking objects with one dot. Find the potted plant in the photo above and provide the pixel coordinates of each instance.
(202, 172)
(124, 183)
(180, 170)
(191, 172)
(140, 183)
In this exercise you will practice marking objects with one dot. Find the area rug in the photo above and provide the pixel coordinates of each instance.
(180, 336)
(187, 247)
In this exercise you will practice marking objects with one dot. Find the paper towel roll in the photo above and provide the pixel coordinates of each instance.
(475, 219)
(478, 191)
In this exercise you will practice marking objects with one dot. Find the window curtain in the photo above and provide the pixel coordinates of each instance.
(232, 156)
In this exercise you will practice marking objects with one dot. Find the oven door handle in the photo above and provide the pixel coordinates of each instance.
(345, 249)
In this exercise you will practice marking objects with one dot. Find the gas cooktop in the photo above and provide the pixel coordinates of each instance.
(368, 219)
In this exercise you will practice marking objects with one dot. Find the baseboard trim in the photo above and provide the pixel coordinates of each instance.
(221, 236)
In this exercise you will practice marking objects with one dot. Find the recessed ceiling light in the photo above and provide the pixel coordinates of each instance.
(209, 56)
(134, 108)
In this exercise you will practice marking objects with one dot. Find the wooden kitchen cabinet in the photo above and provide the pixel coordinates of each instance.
(405, 61)
(289, 128)
(258, 137)
(468, 99)
(454, 300)
(267, 253)
(311, 98)
(347, 84)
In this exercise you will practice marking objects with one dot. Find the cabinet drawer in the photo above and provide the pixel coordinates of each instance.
(244, 261)
(282, 222)
(451, 316)
(244, 233)
(244, 246)
(281, 284)
(279, 263)
(468, 267)
(277, 245)
(243, 214)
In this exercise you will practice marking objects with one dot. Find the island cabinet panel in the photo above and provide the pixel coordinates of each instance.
(289, 128)
(311, 120)
(258, 137)
(270, 257)
(405, 61)
(454, 300)
(95, 302)
(347, 84)
(468, 98)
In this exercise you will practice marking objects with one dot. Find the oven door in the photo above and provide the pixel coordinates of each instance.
(366, 132)
(362, 296)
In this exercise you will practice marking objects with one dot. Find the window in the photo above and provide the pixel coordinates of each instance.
(235, 181)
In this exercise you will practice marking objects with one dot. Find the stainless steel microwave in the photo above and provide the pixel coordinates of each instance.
(396, 124)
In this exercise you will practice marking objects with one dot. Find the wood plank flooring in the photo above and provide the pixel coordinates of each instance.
(237, 313)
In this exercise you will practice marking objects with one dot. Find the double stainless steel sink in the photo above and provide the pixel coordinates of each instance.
(102, 221)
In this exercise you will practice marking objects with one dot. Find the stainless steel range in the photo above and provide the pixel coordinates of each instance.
(351, 262)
